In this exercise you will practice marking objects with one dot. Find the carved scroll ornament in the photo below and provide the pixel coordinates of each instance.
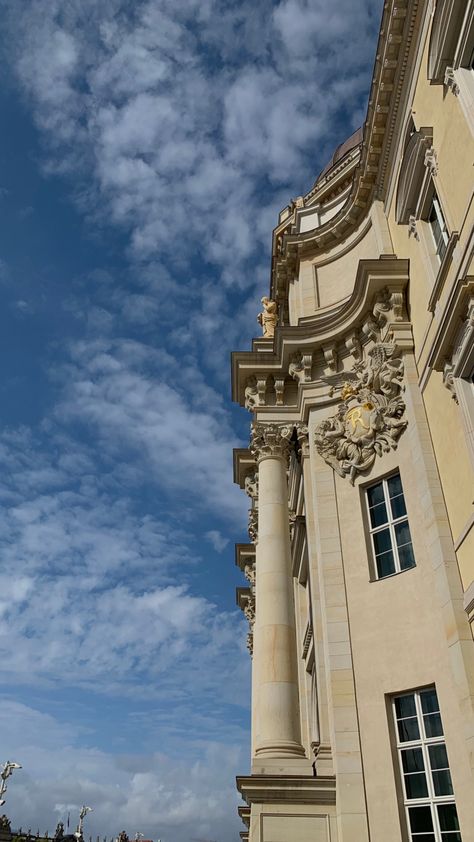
(270, 440)
(369, 420)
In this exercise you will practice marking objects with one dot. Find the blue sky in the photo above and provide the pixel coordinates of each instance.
(146, 150)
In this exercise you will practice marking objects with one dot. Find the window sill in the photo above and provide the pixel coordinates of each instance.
(443, 271)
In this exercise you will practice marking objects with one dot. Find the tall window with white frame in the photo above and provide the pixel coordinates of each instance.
(424, 768)
(438, 227)
(389, 530)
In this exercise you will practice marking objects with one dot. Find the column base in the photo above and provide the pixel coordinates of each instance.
(280, 748)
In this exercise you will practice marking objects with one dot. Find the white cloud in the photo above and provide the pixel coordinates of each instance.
(176, 798)
(218, 541)
(179, 113)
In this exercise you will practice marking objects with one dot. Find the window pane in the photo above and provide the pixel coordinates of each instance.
(442, 782)
(382, 541)
(415, 786)
(423, 837)
(385, 565)
(398, 506)
(407, 559)
(420, 819)
(402, 533)
(405, 706)
(447, 837)
(433, 726)
(378, 515)
(429, 700)
(412, 760)
(394, 485)
(375, 494)
(448, 817)
(438, 757)
(408, 730)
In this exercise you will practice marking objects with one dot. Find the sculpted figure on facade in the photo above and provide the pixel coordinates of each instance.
(268, 318)
(369, 420)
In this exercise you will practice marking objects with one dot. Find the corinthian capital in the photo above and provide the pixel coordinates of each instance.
(270, 440)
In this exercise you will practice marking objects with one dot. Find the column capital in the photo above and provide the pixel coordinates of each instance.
(270, 440)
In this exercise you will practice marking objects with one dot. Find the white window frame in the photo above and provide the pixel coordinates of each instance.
(436, 206)
(391, 523)
(424, 742)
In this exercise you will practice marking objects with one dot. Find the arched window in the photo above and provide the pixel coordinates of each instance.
(445, 32)
(412, 172)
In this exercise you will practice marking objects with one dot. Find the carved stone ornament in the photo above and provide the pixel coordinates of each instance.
(431, 161)
(253, 525)
(300, 366)
(448, 379)
(369, 420)
(270, 440)
(412, 229)
(251, 485)
(303, 438)
(450, 81)
(251, 394)
(268, 318)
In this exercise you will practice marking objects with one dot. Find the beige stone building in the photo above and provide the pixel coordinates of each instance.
(359, 472)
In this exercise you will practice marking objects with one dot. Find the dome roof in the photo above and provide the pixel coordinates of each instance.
(354, 140)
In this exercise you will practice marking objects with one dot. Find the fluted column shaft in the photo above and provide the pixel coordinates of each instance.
(275, 673)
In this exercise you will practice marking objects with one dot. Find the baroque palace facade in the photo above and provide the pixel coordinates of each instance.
(360, 564)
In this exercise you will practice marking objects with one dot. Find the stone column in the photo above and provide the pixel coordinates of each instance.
(275, 672)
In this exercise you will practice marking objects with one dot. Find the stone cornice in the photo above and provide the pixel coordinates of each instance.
(244, 463)
(399, 28)
(287, 789)
(316, 338)
(244, 555)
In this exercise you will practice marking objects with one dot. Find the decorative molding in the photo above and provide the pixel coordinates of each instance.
(330, 355)
(253, 525)
(448, 380)
(303, 439)
(279, 390)
(445, 30)
(284, 789)
(412, 174)
(255, 392)
(353, 345)
(368, 421)
(462, 351)
(251, 486)
(400, 27)
(308, 636)
(443, 271)
(300, 366)
(431, 161)
(412, 229)
(270, 440)
(450, 81)
(297, 351)
(246, 602)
